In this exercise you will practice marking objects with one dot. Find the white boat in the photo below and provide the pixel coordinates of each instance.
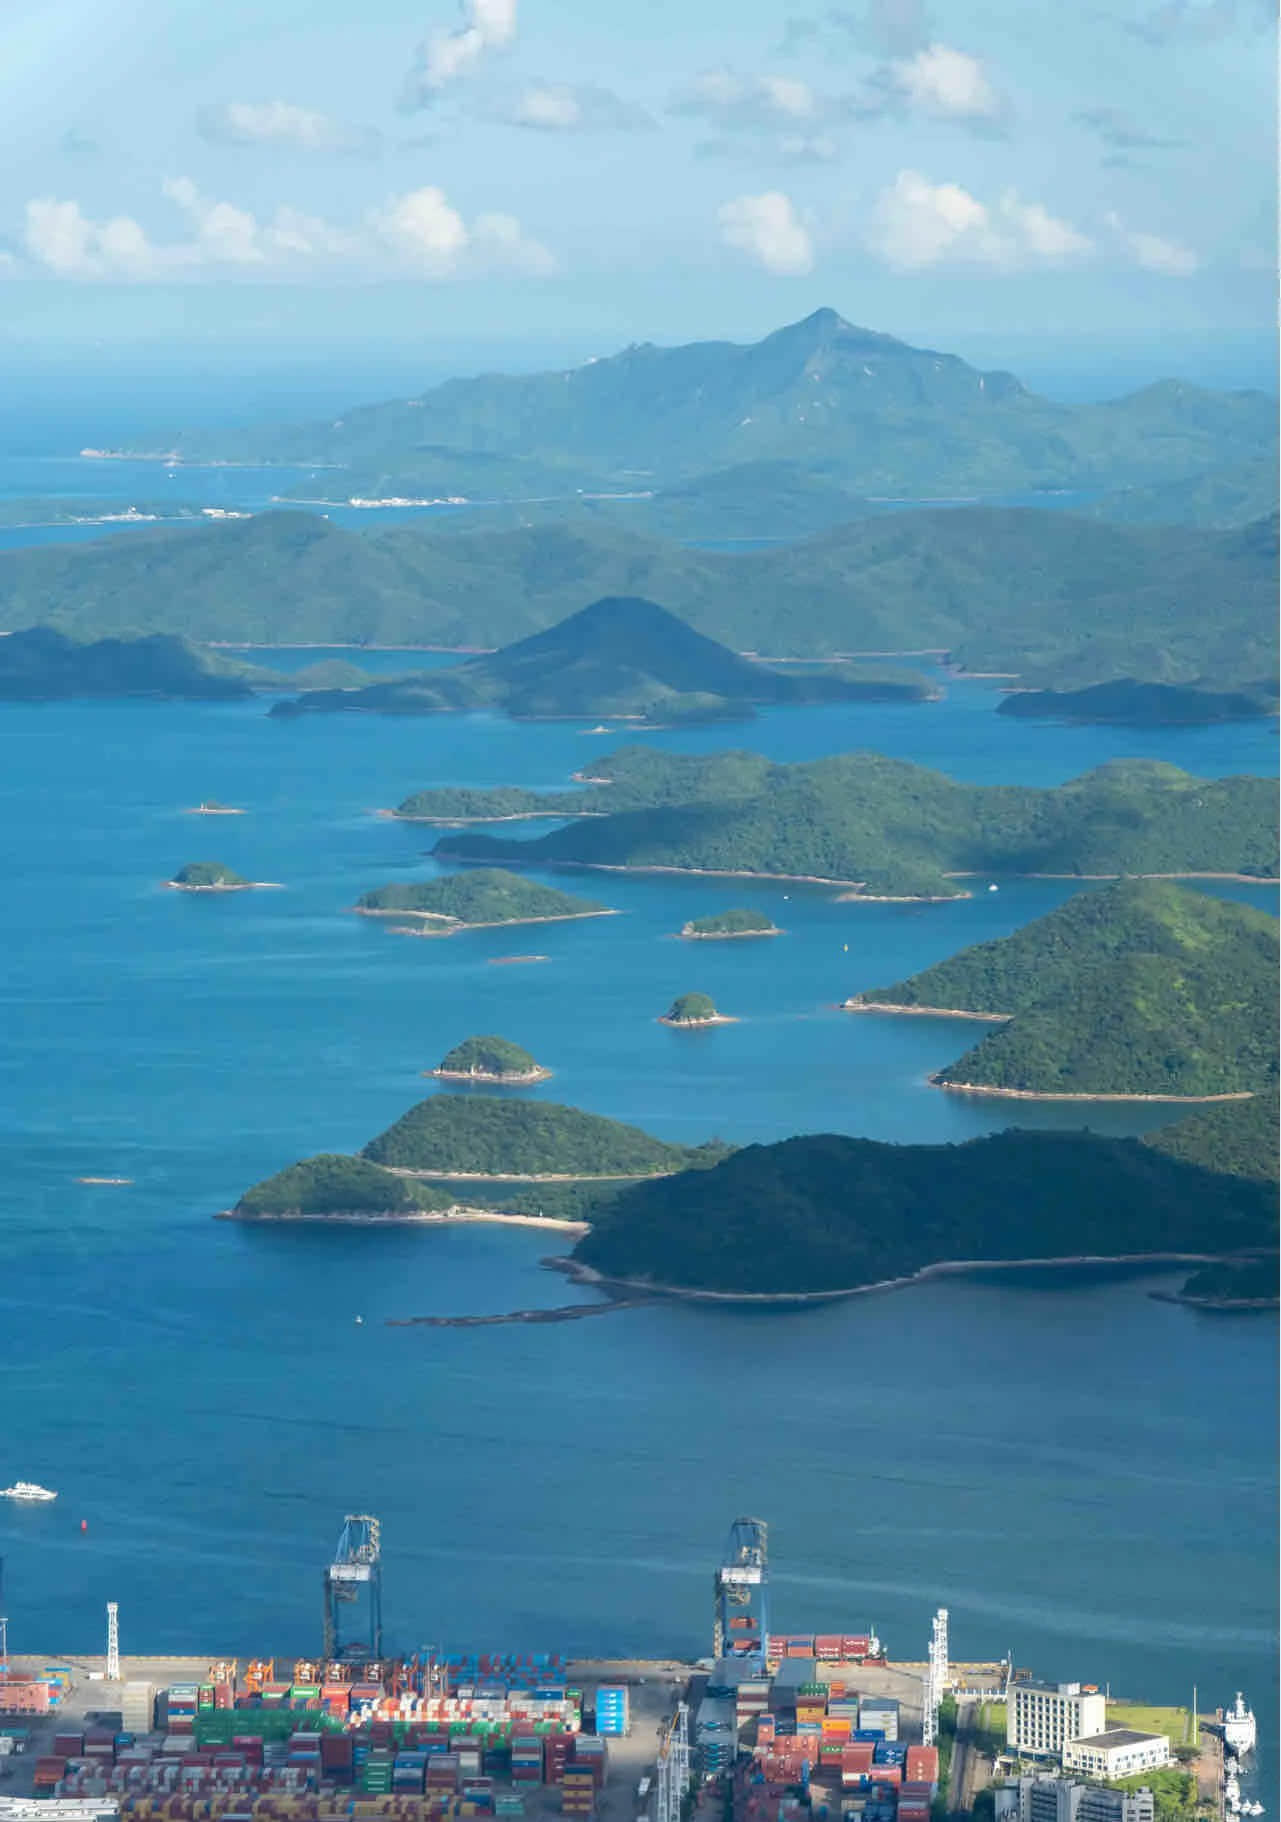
(1239, 1730)
(1254, 1808)
(26, 1489)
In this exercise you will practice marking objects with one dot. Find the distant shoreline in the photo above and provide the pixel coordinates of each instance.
(1221, 1305)
(725, 936)
(495, 1078)
(463, 822)
(715, 1018)
(1035, 1094)
(448, 1217)
(942, 1268)
(452, 925)
(242, 885)
(935, 1012)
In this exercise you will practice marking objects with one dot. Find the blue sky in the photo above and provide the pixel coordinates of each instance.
(309, 173)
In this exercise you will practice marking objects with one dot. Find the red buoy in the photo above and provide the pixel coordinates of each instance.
(84, 1524)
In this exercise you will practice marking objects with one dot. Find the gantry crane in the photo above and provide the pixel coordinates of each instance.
(355, 1571)
(741, 1623)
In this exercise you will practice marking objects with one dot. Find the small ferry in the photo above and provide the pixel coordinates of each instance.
(1240, 1731)
(28, 1490)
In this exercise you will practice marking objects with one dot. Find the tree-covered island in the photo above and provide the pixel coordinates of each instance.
(451, 1135)
(1144, 988)
(490, 1059)
(477, 899)
(729, 924)
(688, 1010)
(209, 876)
(1250, 1285)
(890, 829)
(333, 1186)
(462, 804)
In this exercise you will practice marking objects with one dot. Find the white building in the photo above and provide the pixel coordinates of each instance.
(1042, 1717)
(1050, 1799)
(1116, 1753)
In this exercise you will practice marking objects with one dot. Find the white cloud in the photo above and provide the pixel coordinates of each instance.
(919, 224)
(420, 231)
(750, 103)
(558, 107)
(446, 55)
(1153, 252)
(946, 83)
(281, 123)
(767, 229)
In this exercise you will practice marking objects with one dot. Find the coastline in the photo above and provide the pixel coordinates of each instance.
(903, 898)
(717, 1018)
(1226, 1306)
(1241, 879)
(933, 1012)
(449, 1217)
(244, 885)
(509, 1080)
(725, 936)
(942, 1268)
(466, 822)
(453, 924)
(525, 1176)
(1035, 1094)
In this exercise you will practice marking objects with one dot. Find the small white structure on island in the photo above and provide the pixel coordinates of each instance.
(1118, 1752)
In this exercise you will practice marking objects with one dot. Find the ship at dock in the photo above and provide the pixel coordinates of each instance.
(1240, 1731)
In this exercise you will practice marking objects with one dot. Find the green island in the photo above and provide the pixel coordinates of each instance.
(890, 829)
(208, 876)
(1128, 702)
(691, 1009)
(621, 656)
(731, 923)
(460, 803)
(477, 900)
(1052, 600)
(490, 1059)
(1239, 1137)
(39, 664)
(461, 1136)
(1251, 1284)
(1142, 988)
(333, 1185)
(829, 1213)
(892, 419)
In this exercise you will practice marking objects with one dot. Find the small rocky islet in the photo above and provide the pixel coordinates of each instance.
(492, 1060)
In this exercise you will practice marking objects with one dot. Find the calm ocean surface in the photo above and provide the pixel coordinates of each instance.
(1079, 1472)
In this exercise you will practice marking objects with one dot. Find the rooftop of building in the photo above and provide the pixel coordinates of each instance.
(1038, 1688)
(1119, 1736)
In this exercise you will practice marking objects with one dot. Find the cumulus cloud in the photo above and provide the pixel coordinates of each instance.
(767, 229)
(1153, 252)
(918, 224)
(446, 55)
(1120, 130)
(281, 123)
(558, 107)
(750, 104)
(945, 83)
(419, 232)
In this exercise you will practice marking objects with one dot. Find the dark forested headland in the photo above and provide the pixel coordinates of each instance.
(1142, 988)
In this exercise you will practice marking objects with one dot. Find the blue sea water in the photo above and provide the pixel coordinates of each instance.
(1079, 1472)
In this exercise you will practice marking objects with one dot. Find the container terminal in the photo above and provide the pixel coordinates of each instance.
(771, 1727)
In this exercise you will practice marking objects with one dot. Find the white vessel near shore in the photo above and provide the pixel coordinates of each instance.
(1239, 1728)
(28, 1490)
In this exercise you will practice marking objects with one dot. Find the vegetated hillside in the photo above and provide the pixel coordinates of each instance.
(333, 1184)
(206, 875)
(1055, 599)
(1126, 702)
(829, 1212)
(900, 830)
(491, 1059)
(462, 803)
(1238, 1137)
(487, 895)
(1235, 493)
(458, 1134)
(1143, 988)
(41, 664)
(621, 655)
(871, 412)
